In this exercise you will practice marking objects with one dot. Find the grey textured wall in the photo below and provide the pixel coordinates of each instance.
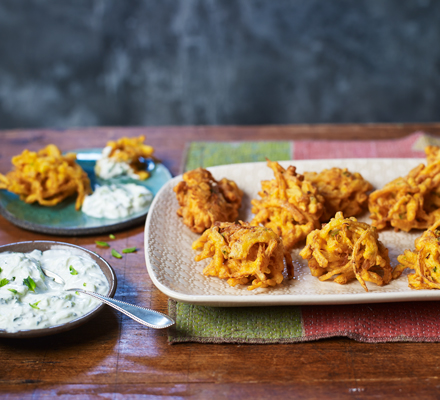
(175, 62)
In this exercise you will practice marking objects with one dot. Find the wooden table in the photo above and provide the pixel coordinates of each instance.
(114, 357)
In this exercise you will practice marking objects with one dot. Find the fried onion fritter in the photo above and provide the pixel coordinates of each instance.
(242, 253)
(432, 154)
(130, 151)
(425, 260)
(290, 205)
(46, 177)
(342, 190)
(349, 249)
(411, 202)
(203, 200)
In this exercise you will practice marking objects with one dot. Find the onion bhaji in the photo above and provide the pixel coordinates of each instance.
(432, 154)
(410, 202)
(242, 253)
(203, 200)
(349, 249)
(342, 190)
(290, 205)
(425, 260)
(46, 177)
(130, 151)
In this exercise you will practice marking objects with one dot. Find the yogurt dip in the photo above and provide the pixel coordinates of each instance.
(117, 201)
(107, 167)
(30, 300)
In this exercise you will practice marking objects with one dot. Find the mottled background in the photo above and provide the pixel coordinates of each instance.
(182, 62)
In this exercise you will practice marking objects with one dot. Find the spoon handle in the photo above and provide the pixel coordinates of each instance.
(144, 316)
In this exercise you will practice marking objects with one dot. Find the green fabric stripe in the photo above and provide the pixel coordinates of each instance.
(209, 154)
(235, 323)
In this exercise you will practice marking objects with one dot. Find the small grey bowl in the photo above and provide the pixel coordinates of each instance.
(42, 245)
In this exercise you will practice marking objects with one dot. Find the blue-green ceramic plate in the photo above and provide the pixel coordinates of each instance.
(63, 219)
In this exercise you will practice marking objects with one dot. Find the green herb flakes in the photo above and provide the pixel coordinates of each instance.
(13, 291)
(35, 305)
(111, 236)
(101, 244)
(129, 250)
(73, 271)
(4, 282)
(116, 254)
(29, 282)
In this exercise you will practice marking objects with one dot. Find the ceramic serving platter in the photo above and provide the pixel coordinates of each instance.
(63, 219)
(170, 259)
(43, 245)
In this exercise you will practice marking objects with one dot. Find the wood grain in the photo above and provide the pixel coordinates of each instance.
(114, 357)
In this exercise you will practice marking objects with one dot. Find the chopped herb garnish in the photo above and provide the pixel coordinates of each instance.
(73, 271)
(129, 250)
(35, 305)
(0, 270)
(101, 244)
(346, 173)
(29, 282)
(13, 291)
(111, 236)
(13, 279)
(4, 282)
(334, 232)
(84, 284)
(77, 293)
(116, 254)
(435, 270)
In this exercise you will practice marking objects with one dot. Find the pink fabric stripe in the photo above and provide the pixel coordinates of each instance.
(374, 321)
(325, 149)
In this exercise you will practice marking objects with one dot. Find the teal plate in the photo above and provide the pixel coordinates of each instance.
(63, 219)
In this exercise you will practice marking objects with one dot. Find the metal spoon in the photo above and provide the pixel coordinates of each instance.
(144, 316)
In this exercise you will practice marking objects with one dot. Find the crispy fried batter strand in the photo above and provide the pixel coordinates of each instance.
(46, 177)
(203, 200)
(425, 260)
(289, 205)
(432, 154)
(349, 249)
(242, 253)
(342, 190)
(411, 202)
(131, 151)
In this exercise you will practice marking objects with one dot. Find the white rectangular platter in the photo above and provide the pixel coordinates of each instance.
(170, 259)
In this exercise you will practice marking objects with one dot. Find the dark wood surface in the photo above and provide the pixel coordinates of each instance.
(114, 357)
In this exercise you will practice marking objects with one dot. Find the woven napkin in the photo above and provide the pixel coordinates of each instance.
(387, 322)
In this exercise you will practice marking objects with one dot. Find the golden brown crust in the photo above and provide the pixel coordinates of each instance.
(242, 253)
(349, 249)
(289, 205)
(411, 202)
(46, 177)
(342, 190)
(204, 201)
(425, 260)
(432, 154)
(131, 151)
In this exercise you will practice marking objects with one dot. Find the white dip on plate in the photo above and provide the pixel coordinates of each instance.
(107, 167)
(117, 201)
(30, 300)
